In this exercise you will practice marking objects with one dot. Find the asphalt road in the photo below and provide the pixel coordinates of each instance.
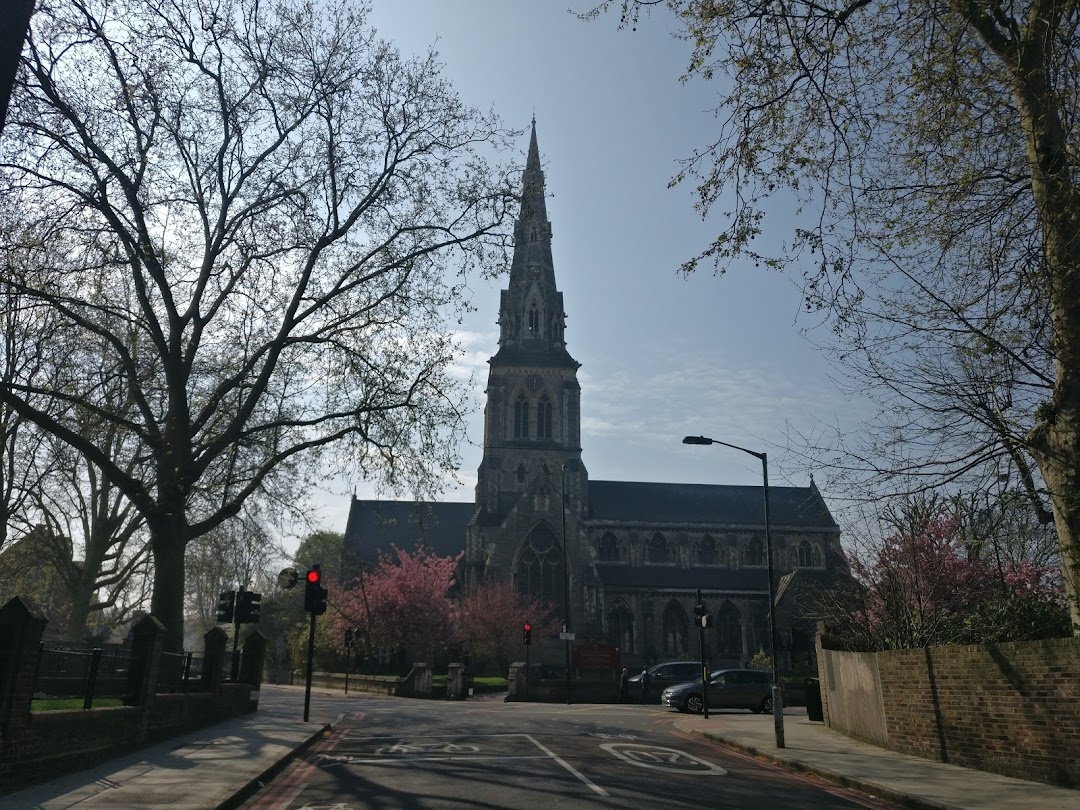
(396, 754)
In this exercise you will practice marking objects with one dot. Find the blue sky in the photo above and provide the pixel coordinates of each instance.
(662, 356)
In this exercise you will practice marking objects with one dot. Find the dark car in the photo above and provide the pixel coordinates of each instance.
(728, 689)
(661, 676)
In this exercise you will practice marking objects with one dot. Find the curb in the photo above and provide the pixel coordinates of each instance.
(789, 764)
(244, 793)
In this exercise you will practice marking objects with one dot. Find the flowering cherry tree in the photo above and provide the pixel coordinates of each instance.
(923, 586)
(492, 615)
(403, 604)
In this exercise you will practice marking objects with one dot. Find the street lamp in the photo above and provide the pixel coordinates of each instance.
(777, 700)
(570, 465)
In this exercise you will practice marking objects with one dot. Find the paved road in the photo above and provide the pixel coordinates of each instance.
(387, 754)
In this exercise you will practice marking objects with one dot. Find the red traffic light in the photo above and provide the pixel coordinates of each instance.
(313, 576)
(528, 627)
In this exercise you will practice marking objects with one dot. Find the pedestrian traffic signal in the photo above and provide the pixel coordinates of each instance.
(700, 610)
(314, 592)
(226, 601)
(247, 607)
(527, 634)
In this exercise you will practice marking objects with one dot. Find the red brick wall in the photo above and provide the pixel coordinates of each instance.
(1012, 709)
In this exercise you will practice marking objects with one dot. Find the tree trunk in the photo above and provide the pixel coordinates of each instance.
(168, 541)
(1055, 439)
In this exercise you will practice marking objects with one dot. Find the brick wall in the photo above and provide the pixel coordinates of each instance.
(1012, 709)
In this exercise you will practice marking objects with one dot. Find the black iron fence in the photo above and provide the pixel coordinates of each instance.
(179, 672)
(82, 674)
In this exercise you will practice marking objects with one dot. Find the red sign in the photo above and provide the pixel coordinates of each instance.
(596, 656)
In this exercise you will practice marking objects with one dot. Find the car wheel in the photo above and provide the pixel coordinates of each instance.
(693, 704)
(766, 704)
(757, 709)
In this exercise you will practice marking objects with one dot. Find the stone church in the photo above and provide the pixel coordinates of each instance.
(636, 552)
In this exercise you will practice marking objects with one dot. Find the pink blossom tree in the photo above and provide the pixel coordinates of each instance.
(491, 617)
(922, 586)
(404, 603)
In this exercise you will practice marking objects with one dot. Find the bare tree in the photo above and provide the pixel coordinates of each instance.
(260, 210)
(240, 553)
(932, 147)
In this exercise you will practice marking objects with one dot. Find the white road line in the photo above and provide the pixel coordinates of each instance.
(599, 790)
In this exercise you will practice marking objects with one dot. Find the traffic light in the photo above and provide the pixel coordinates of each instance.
(314, 592)
(247, 607)
(226, 601)
(527, 634)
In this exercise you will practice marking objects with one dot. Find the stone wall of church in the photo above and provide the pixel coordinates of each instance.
(651, 624)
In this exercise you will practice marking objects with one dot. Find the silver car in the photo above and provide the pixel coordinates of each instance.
(728, 689)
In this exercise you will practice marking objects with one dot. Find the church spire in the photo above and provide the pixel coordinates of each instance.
(532, 231)
(531, 312)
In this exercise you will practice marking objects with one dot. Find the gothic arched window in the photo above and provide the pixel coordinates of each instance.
(657, 549)
(676, 629)
(539, 569)
(805, 555)
(707, 551)
(621, 627)
(609, 548)
(543, 418)
(754, 553)
(728, 631)
(521, 418)
(534, 319)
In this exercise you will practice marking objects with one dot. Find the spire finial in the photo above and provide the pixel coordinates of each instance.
(533, 161)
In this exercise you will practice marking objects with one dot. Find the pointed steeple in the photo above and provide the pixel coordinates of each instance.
(532, 231)
(531, 314)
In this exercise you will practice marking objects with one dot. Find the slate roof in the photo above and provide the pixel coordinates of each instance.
(375, 526)
(646, 502)
(657, 577)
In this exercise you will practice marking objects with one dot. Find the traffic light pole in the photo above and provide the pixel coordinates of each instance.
(704, 669)
(235, 668)
(310, 663)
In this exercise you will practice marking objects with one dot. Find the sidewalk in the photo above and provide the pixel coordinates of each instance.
(909, 781)
(202, 770)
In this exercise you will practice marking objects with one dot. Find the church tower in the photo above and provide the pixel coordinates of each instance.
(532, 424)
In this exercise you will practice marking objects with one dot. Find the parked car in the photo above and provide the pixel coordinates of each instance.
(728, 689)
(662, 676)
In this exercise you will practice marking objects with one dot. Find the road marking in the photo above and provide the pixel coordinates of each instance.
(660, 758)
(599, 790)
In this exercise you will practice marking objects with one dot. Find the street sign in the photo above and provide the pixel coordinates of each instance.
(287, 578)
(566, 636)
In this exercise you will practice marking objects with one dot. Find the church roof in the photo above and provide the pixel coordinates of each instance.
(646, 502)
(375, 526)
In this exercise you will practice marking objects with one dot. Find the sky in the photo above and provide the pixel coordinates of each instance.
(662, 356)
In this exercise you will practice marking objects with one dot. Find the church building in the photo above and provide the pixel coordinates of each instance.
(625, 558)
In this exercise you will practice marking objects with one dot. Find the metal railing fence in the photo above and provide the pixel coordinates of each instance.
(86, 674)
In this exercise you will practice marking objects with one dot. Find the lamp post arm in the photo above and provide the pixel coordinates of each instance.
(761, 456)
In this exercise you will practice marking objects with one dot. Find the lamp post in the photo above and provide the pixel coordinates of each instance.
(777, 700)
(566, 581)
